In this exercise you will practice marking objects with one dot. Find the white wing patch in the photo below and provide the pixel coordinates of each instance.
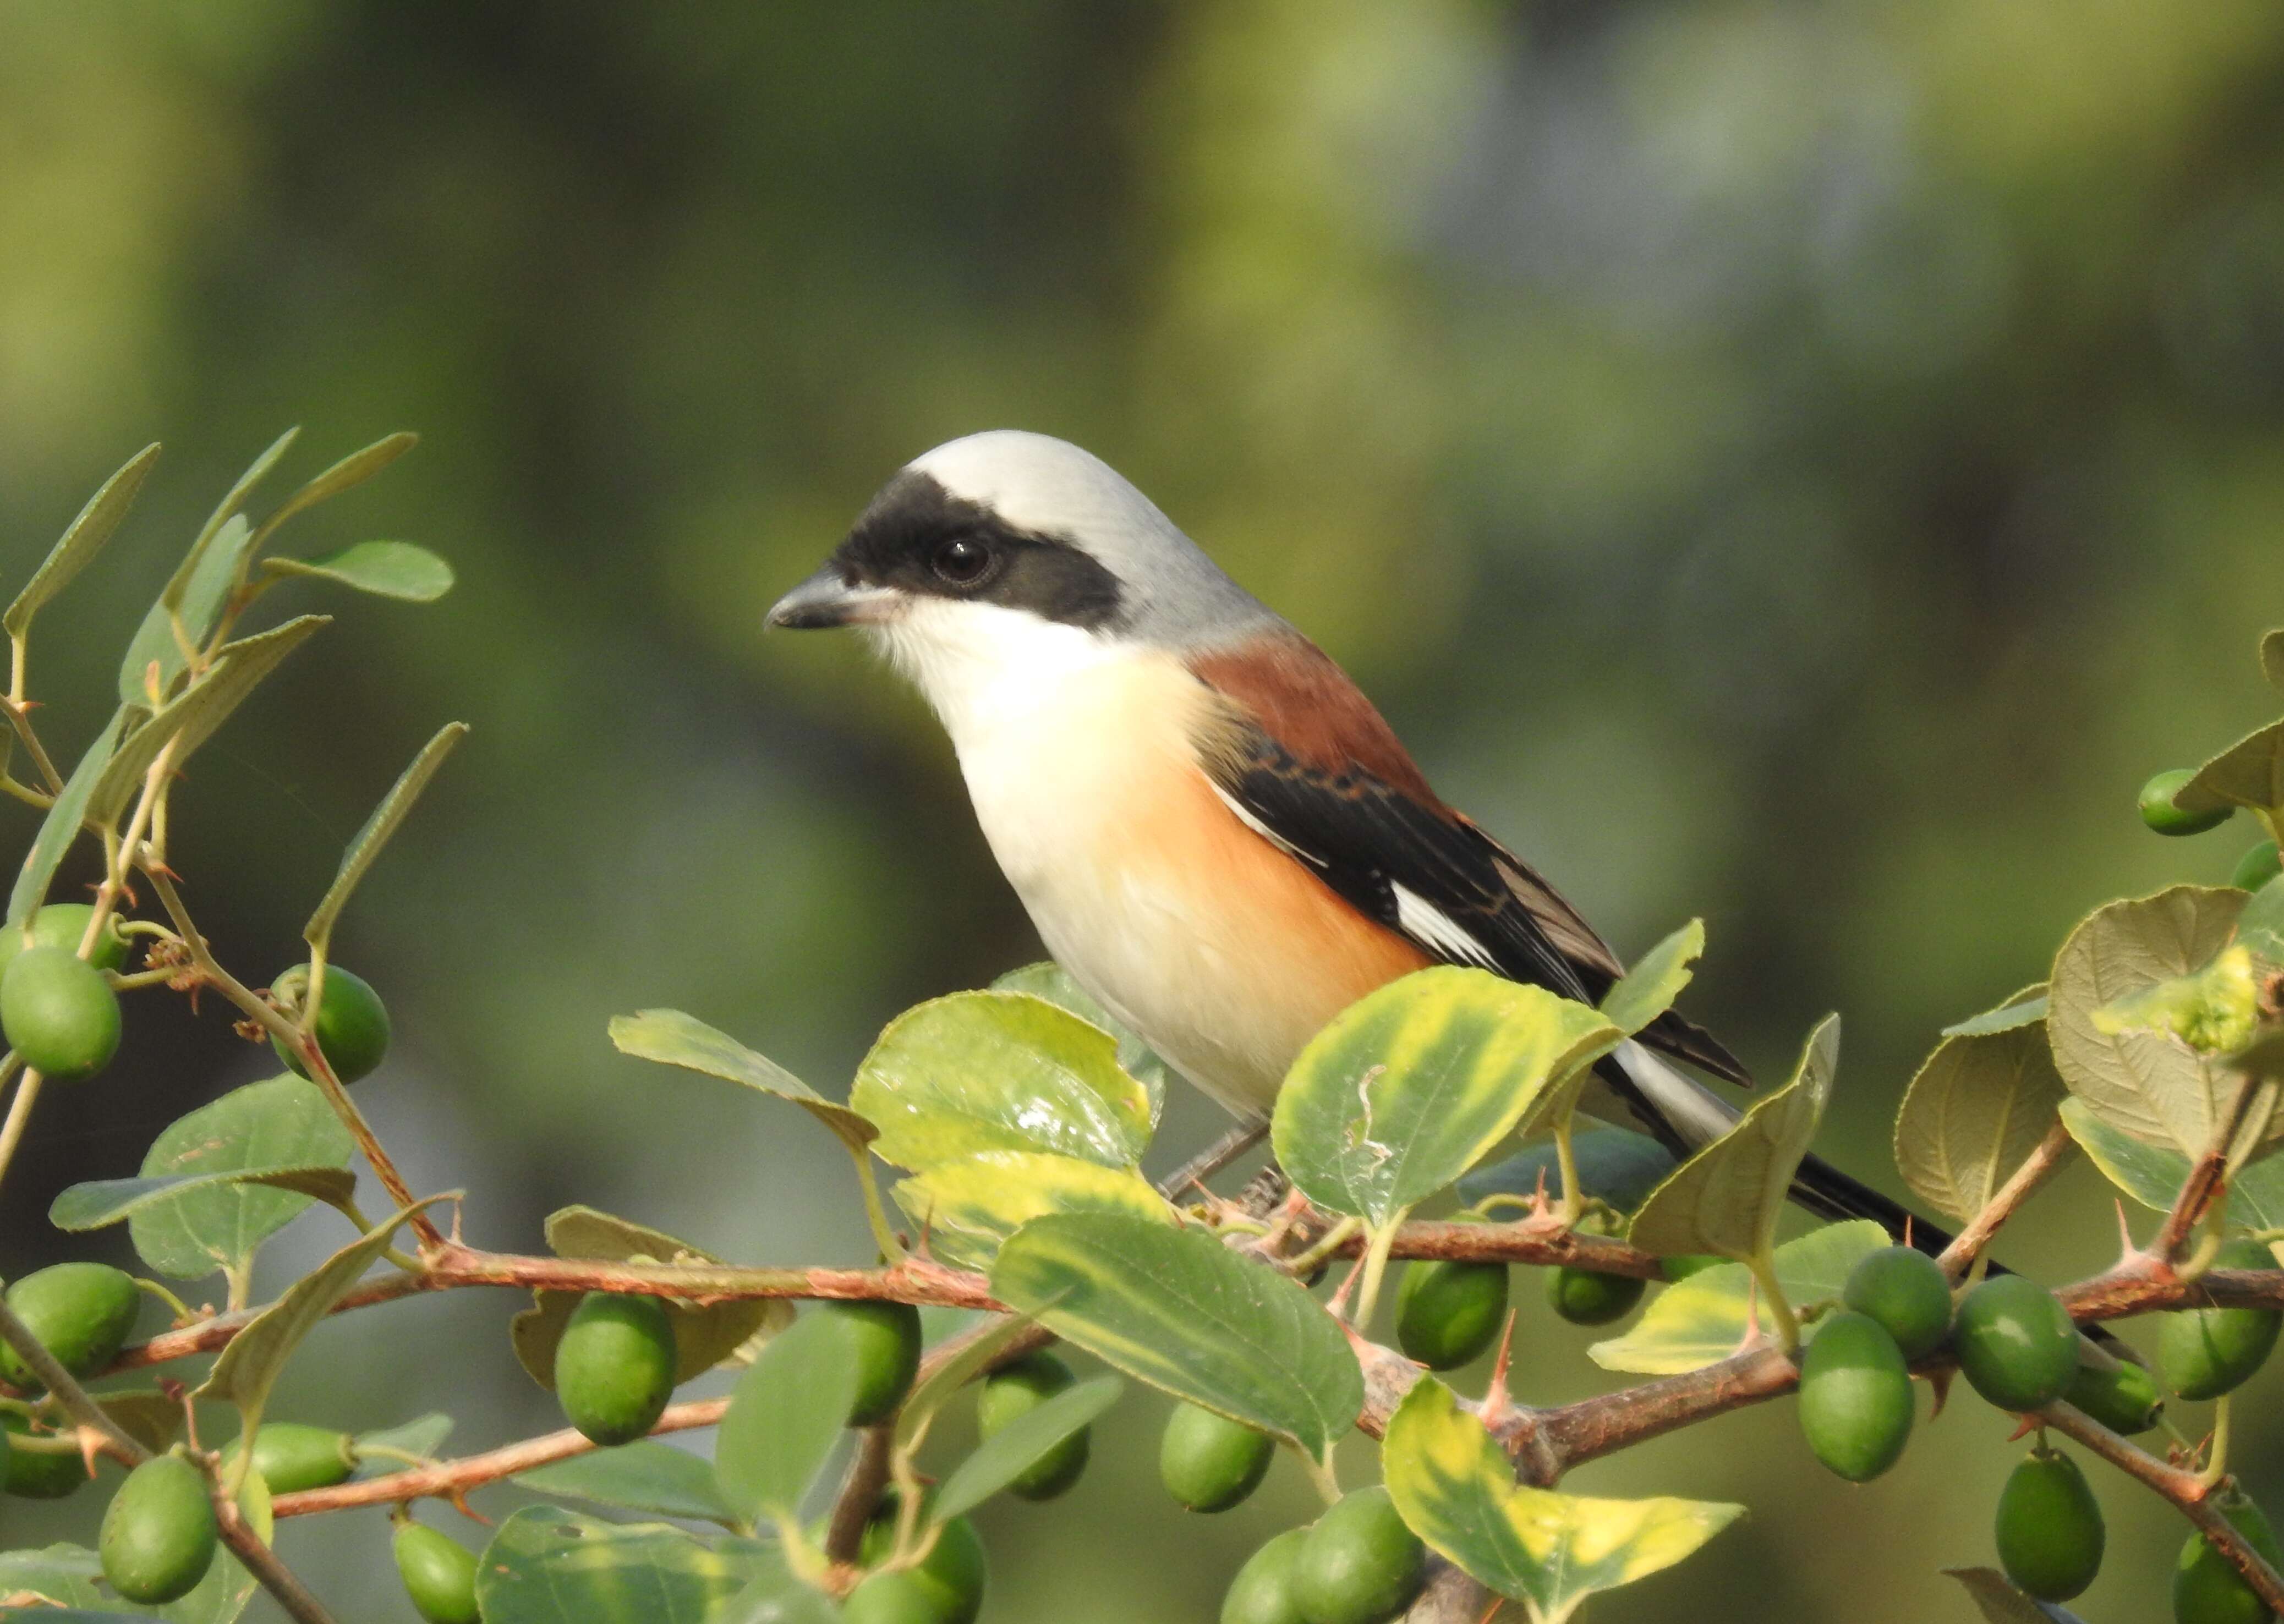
(1430, 926)
(1258, 827)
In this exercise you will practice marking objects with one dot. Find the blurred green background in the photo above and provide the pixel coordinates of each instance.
(1799, 464)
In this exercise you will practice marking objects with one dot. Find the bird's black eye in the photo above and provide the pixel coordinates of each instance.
(962, 560)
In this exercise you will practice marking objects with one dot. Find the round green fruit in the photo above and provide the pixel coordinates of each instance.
(39, 1474)
(352, 1024)
(64, 924)
(947, 1586)
(2204, 1353)
(2207, 1588)
(1017, 1389)
(1261, 1593)
(2016, 1343)
(614, 1366)
(80, 1312)
(1856, 1403)
(2124, 1399)
(2257, 867)
(2159, 812)
(2049, 1527)
(439, 1575)
(159, 1535)
(885, 1338)
(291, 1457)
(1585, 1298)
(1209, 1462)
(1359, 1565)
(1907, 1292)
(58, 1013)
(1447, 1313)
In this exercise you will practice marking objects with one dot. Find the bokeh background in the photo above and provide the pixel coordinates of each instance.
(1799, 464)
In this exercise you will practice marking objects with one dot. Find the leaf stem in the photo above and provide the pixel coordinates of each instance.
(1380, 1237)
(20, 1117)
(2050, 1156)
(1763, 1267)
(884, 1233)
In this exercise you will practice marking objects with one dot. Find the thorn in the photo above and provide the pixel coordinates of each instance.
(1495, 1400)
(459, 1498)
(1907, 1227)
(1752, 1314)
(2126, 1247)
(2025, 1426)
(1939, 1383)
(1338, 1307)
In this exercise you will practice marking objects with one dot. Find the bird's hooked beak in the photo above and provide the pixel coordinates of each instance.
(826, 599)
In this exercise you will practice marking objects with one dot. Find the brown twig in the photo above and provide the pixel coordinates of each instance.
(2051, 1155)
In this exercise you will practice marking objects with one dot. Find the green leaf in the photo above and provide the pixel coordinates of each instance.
(2260, 927)
(401, 570)
(2153, 1175)
(284, 1122)
(1455, 1487)
(351, 471)
(2271, 658)
(1705, 1318)
(1410, 1086)
(2023, 1009)
(82, 538)
(152, 1418)
(100, 1202)
(422, 1436)
(642, 1476)
(1178, 1309)
(2248, 773)
(2150, 1084)
(366, 847)
(192, 716)
(61, 825)
(1021, 1444)
(773, 1596)
(705, 1334)
(1000, 1072)
(547, 1565)
(178, 585)
(68, 1574)
(1614, 1166)
(2001, 1603)
(2213, 1011)
(1726, 1198)
(204, 596)
(673, 1038)
(789, 1409)
(1649, 989)
(969, 1207)
(1978, 1107)
(1050, 980)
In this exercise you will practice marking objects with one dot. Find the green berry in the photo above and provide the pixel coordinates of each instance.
(1907, 1291)
(1261, 1593)
(2016, 1343)
(80, 1312)
(2159, 812)
(2207, 1588)
(64, 924)
(2124, 1397)
(159, 1535)
(58, 1013)
(292, 1457)
(2204, 1353)
(947, 1586)
(1680, 1268)
(1209, 1462)
(2257, 867)
(1017, 1389)
(39, 1474)
(885, 1338)
(1856, 1404)
(1447, 1313)
(439, 1575)
(1585, 1298)
(614, 1366)
(1359, 1565)
(352, 1024)
(2049, 1527)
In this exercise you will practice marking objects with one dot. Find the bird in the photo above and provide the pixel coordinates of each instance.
(1217, 835)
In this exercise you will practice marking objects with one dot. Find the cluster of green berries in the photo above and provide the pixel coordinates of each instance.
(2254, 869)
(1357, 1563)
(1449, 1313)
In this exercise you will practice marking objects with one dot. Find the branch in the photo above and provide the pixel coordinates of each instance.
(2051, 1154)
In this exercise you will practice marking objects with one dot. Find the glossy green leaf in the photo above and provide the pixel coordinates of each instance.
(2153, 1175)
(993, 1071)
(1648, 990)
(672, 1038)
(2001, 1603)
(350, 471)
(190, 718)
(1455, 1487)
(789, 1409)
(967, 1207)
(1050, 980)
(68, 1575)
(1705, 1318)
(422, 1437)
(1978, 1107)
(2248, 773)
(283, 1122)
(547, 1565)
(365, 849)
(155, 656)
(400, 570)
(2147, 1084)
(1614, 1166)
(100, 1202)
(1411, 1085)
(1021, 1444)
(61, 825)
(705, 1334)
(643, 1476)
(1727, 1196)
(81, 539)
(2023, 1009)
(1178, 1309)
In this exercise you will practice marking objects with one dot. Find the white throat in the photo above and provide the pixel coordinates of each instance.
(983, 668)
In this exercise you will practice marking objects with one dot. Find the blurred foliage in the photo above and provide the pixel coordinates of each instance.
(1802, 465)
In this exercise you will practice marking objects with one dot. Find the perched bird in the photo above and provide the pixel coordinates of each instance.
(1213, 831)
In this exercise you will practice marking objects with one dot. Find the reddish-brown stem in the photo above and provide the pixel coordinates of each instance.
(2051, 1155)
